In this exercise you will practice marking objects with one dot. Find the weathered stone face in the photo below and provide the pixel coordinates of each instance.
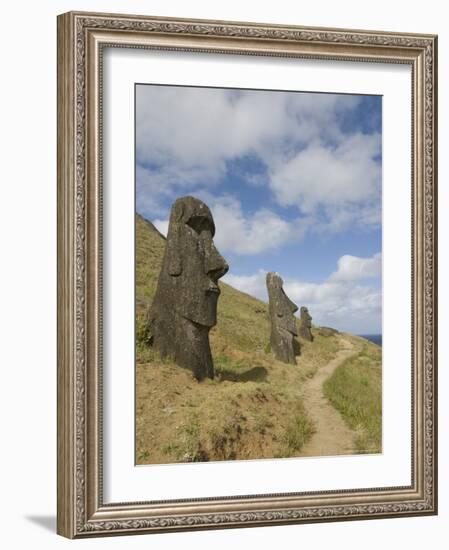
(305, 324)
(283, 323)
(185, 304)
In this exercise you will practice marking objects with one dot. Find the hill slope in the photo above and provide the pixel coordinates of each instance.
(253, 408)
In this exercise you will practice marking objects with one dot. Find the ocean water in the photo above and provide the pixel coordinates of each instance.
(376, 338)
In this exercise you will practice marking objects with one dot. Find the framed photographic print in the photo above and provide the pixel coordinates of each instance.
(246, 274)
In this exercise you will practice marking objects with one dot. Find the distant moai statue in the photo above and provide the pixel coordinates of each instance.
(185, 303)
(305, 324)
(283, 322)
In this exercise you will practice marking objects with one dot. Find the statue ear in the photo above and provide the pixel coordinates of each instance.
(174, 262)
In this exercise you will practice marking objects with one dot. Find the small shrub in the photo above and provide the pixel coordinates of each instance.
(144, 456)
(298, 432)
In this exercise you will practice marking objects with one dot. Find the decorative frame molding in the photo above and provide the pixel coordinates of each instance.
(81, 37)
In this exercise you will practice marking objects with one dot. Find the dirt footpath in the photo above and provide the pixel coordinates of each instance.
(332, 436)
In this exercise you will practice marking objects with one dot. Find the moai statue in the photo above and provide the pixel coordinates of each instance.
(283, 322)
(185, 303)
(305, 324)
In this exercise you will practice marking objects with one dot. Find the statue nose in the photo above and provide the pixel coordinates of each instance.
(216, 265)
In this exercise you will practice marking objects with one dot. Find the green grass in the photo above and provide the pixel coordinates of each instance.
(355, 389)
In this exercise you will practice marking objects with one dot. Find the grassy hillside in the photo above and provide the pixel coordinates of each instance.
(253, 407)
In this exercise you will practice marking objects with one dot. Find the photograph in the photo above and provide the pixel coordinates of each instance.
(247, 284)
(221, 228)
(258, 274)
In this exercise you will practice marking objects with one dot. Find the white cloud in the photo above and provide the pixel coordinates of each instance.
(186, 136)
(344, 305)
(352, 268)
(190, 133)
(200, 128)
(341, 303)
(252, 234)
(335, 178)
(251, 284)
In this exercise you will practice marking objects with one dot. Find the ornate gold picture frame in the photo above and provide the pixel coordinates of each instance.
(82, 509)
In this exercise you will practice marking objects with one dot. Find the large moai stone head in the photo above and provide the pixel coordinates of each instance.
(185, 304)
(283, 322)
(305, 324)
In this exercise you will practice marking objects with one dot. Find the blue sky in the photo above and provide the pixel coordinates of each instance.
(293, 181)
